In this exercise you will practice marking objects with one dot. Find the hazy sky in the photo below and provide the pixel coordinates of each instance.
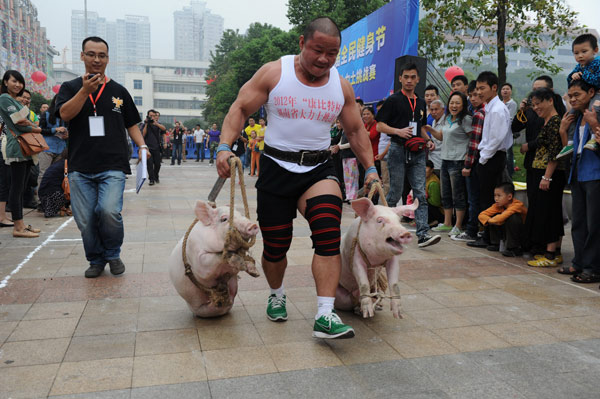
(238, 14)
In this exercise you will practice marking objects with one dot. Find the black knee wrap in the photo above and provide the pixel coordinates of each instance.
(276, 240)
(324, 215)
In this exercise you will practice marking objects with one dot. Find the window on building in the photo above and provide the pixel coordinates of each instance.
(178, 104)
(137, 84)
(179, 88)
(137, 100)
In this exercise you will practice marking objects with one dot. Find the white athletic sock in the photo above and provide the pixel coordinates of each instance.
(325, 305)
(570, 142)
(279, 291)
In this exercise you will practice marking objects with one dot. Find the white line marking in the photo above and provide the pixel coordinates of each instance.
(4, 282)
(66, 239)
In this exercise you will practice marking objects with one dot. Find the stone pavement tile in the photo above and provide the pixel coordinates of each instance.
(568, 307)
(527, 311)
(106, 324)
(299, 294)
(566, 329)
(555, 386)
(174, 368)
(174, 320)
(317, 382)
(251, 298)
(419, 302)
(190, 390)
(588, 346)
(487, 314)
(472, 338)
(108, 306)
(13, 312)
(563, 357)
(467, 284)
(21, 291)
(496, 297)
(162, 304)
(303, 355)
(41, 311)
(428, 286)
(308, 309)
(456, 299)
(27, 381)
(452, 371)
(238, 362)
(494, 390)
(93, 375)
(119, 394)
(96, 347)
(29, 353)
(497, 357)
(520, 334)
(289, 331)
(362, 350)
(44, 329)
(258, 313)
(237, 315)
(438, 318)
(394, 379)
(418, 343)
(530, 292)
(166, 341)
(6, 328)
(226, 337)
(385, 323)
(502, 281)
(265, 386)
(573, 290)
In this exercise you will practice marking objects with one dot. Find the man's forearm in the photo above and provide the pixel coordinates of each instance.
(71, 108)
(136, 135)
(232, 125)
(385, 128)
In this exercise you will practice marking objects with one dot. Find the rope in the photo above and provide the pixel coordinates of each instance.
(239, 259)
(380, 284)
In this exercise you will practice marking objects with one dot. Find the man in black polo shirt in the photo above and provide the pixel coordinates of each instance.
(402, 117)
(176, 140)
(100, 113)
(152, 130)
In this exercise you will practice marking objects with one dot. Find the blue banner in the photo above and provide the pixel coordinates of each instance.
(370, 47)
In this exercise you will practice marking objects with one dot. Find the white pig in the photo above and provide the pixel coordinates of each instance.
(204, 248)
(381, 238)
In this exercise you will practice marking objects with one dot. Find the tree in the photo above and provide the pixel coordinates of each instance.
(191, 123)
(448, 25)
(36, 101)
(343, 12)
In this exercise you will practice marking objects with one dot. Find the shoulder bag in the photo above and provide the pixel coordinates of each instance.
(65, 183)
(30, 143)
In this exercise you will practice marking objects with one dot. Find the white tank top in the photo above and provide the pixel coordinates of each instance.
(300, 116)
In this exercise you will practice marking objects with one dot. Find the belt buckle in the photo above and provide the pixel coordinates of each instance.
(302, 157)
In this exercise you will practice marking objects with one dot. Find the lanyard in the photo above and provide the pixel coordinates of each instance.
(412, 106)
(98, 96)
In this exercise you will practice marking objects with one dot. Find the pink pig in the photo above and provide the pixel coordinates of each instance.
(381, 239)
(204, 247)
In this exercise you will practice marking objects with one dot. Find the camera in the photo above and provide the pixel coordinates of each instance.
(528, 102)
(91, 75)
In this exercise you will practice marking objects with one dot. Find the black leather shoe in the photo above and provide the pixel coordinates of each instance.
(479, 243)
(151, 182)
(94, 271)
(116, 266)
(493, 248)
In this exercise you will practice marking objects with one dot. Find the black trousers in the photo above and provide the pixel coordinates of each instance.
(19, 172)
(511, 232)
(153, 164)
(490, 175)
(585, 230)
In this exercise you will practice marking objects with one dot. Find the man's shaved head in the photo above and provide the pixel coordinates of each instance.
(324, 25)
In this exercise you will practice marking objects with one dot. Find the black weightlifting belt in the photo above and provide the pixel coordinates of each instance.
(304, 158)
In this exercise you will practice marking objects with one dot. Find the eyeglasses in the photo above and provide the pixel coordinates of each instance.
(91, 54)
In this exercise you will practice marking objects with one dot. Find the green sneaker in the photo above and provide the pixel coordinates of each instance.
(567, 150)
(331, 326)
(592, 145)
(442, 228)
(276, 308)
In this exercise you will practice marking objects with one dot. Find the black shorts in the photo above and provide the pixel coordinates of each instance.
(278, 189)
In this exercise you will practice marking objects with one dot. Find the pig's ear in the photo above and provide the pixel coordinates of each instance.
(205, 213)
(402, 208)
(364, 208)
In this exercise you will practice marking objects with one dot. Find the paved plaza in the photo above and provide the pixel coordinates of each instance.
(476, 324)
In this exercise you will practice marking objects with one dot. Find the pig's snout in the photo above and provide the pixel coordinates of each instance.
(248, 230)
(252, 230)
(405, 237)
(397, 240)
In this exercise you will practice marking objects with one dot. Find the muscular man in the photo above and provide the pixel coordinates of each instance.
(304, 96)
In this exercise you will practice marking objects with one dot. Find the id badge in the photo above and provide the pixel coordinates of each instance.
(414, 128)
(234, 147)
(96, 126)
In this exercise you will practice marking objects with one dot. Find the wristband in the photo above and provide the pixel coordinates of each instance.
(370, 169)
(546, 178)
(223, 147)
(144, 146)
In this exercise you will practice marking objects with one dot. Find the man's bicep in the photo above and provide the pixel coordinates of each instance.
(254, 92)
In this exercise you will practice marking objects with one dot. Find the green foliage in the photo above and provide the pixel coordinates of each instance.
(37, 100)
(527, 23)
(191, 123)
(236, 60)
(343, 12)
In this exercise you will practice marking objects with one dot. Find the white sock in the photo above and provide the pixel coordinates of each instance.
(280, 292)
(325, 305)
(570, 142)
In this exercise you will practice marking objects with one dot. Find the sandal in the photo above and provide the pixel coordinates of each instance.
(25, 234)
(6, 225)
(33, 229)
(586, 278)
(567, 270)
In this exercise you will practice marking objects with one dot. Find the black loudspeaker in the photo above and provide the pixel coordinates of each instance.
(421, 64)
